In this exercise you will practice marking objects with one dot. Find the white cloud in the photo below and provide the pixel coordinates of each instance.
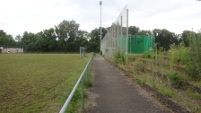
(17, 16)
(175, 16)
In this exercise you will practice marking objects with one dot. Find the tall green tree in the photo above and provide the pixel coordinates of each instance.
(6, 40)
(18, 38)
(165, 38)
(94, 42)
(133, 30)
(81, 40)
(29, 41)
(194, 66)
(66, 32)
(47, 40)
(185, 35)
(144, 32)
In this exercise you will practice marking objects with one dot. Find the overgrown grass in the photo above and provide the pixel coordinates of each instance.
(38, 82)
(174, 85)
(148, 54)
(177, 81)
(158, 84)
(193, 94)
(119, 57)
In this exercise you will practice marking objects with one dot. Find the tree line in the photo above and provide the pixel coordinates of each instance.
(164, 38)
(67, 37)
(64, 37)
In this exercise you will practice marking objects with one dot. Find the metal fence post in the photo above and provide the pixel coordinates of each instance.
(82, 95)
(87, 74)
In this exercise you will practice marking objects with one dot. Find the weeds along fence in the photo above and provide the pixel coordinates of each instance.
(81, 79)
(118, 30)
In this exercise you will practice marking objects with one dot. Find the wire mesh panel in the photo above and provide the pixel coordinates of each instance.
(117, 35)
(117, 38)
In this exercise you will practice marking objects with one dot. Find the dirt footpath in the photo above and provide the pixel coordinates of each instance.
(114, 94)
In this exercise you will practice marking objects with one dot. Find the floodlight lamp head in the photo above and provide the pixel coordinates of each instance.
(100, 2)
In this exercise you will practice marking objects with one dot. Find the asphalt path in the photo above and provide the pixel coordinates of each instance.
(115, 94)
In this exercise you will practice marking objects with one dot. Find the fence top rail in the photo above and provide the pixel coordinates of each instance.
(63, 109)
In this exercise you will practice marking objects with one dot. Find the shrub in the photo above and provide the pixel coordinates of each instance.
(183, 54)
(148, 54)
(194, 66)
(179, 53)
(120, 57)
(177, 81)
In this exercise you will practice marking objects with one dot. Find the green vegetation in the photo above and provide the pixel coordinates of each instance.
(148, 54)
(64, 37)
(120, 57)
(194, 66)
(39, 82)
(175, 73)
(161, 87)
(177, 81)
(193, 94)
(89, 75)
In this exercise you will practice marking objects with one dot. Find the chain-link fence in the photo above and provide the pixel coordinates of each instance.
(117, 31)
(117, 38)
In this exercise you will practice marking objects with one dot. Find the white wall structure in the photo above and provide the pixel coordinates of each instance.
(12, 50)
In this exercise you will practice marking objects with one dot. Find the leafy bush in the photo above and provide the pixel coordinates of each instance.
(179, 53)
(194, 66)
(120, 57)
(183, 55)
(148, 54)
(177, 81)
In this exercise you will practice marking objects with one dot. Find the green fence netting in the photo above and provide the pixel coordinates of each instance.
(137, 44)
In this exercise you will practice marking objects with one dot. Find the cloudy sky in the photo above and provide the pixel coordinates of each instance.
(17, 16)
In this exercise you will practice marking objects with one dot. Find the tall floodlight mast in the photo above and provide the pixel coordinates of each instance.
(100, 23)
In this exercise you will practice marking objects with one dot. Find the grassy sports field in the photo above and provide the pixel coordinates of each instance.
(37, 82)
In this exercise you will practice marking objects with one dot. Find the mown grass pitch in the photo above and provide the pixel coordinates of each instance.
(37, 82)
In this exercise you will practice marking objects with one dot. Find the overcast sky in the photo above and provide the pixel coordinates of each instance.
(17, 16)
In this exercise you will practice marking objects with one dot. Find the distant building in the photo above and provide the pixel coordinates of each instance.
(11, 50)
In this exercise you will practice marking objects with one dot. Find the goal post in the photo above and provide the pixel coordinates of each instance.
(82, 52)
